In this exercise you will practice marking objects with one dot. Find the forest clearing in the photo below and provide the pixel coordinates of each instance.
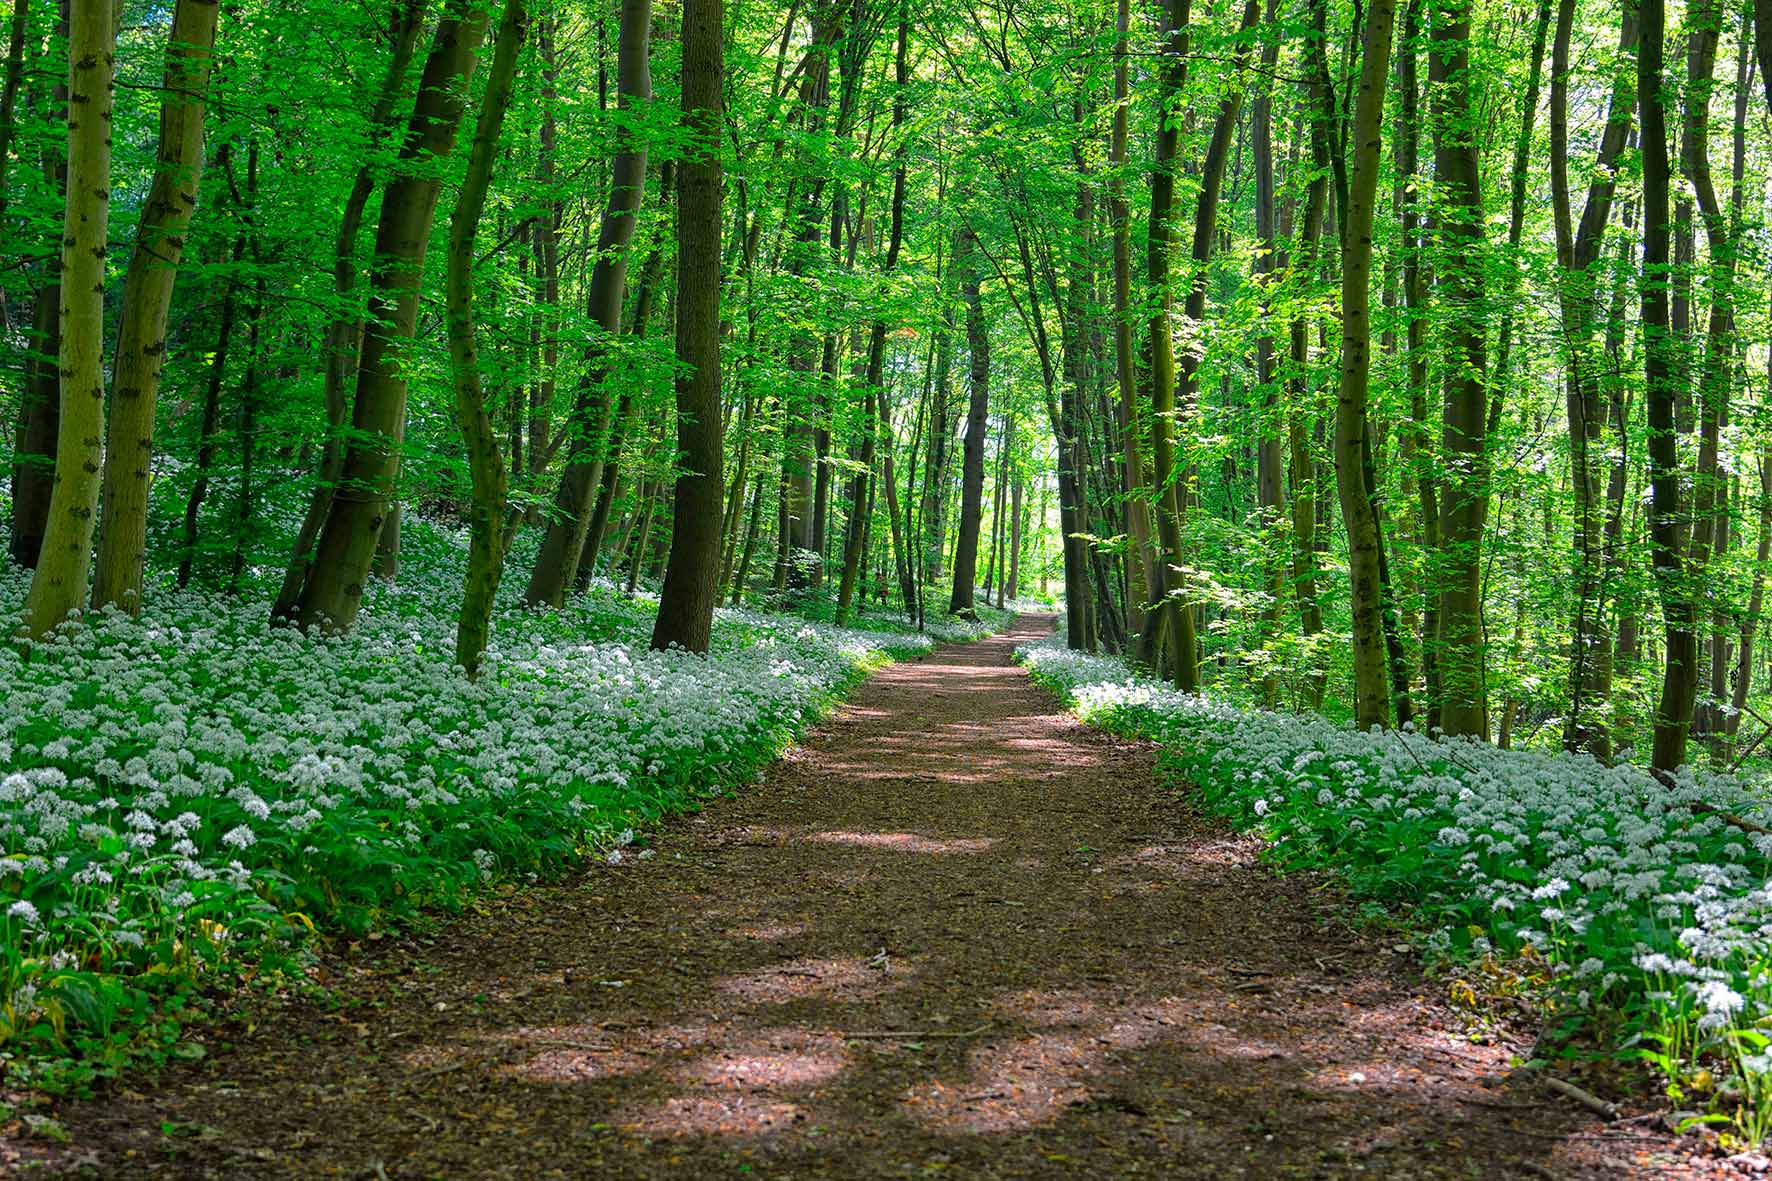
(883, 587)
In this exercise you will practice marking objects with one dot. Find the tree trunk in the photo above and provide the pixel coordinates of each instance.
(876, 416)
(692, 578)
(1269, 463)
(1014, 583)
(1464, 506)
(1673, 713)
(1168, 630)
(147, 300)
(1140, 592)
(59, 584)
(651, 276)
(344, 335)
(556, 563)
(978, 343)
(361, 504)
(211, 420)
(1578, 256)
(1371, 698)
(39, 419)
(489, 483)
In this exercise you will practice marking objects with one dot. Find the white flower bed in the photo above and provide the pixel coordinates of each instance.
(177, 787)
(1645, 900)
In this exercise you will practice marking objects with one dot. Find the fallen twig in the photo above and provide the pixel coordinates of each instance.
(1587, 1099)
(913, 1035)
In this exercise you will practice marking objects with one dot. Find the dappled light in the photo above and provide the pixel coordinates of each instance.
(825, 589)
(973, 996)
(907, 842)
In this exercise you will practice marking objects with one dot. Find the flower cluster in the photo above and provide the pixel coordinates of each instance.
(180, 788)
(1650, 902)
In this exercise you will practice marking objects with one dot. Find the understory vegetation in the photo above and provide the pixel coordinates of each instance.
(1647, 905)
(191, 795)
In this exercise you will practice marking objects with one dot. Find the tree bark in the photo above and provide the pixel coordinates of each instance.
(1168, 639)
(489, 481)
(556, 563)
(978, 344)
(876, 417)
(361, 503)
(692, 577)
(1371, 697)
(1464, 506)
(344, 335)
(147, 300)
(59, 584)
(1673, 712)
(1578, 255)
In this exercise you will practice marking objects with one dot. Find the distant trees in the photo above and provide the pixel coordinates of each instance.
(1328, 442)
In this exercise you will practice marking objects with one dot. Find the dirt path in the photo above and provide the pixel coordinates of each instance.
(955, 934)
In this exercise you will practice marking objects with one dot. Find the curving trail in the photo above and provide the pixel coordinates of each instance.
(955, 934)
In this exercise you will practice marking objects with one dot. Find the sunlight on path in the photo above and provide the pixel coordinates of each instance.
(954, 934)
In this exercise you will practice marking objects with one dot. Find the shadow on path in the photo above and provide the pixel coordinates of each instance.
(954, 934)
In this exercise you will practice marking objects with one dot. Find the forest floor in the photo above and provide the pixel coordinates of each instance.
(955, 933)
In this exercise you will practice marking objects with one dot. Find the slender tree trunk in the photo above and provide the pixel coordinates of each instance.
(1168, 628)
(364, 498)
(39, 419)
(486, 466)
(1269, 463)
(147, 300)
(692, 578)
(211, 420)
(10, 85)
(642, 536)
(1756, 601)
(750, 543)
(1578, 256)
(344, 335)
(1371, 697)
(993, 560)
(1464, 508)
(876, 416)
(1673, 713)
(651, 276)
(978, 343)
(1416, 444)
(59, 584)
(556, 563)
(246, 493)
(1140, 589)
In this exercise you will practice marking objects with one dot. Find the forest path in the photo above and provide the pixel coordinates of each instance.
(955, 933)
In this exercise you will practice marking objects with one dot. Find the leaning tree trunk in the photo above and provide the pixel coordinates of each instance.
(147, 300)
(1371, 696)
(59, 584)
(692, 577)
(344, 335)
(360, 506)
(486, 465)
(557, 562)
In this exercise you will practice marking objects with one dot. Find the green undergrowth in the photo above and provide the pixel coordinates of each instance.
(193, 802)
(1625, 915)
